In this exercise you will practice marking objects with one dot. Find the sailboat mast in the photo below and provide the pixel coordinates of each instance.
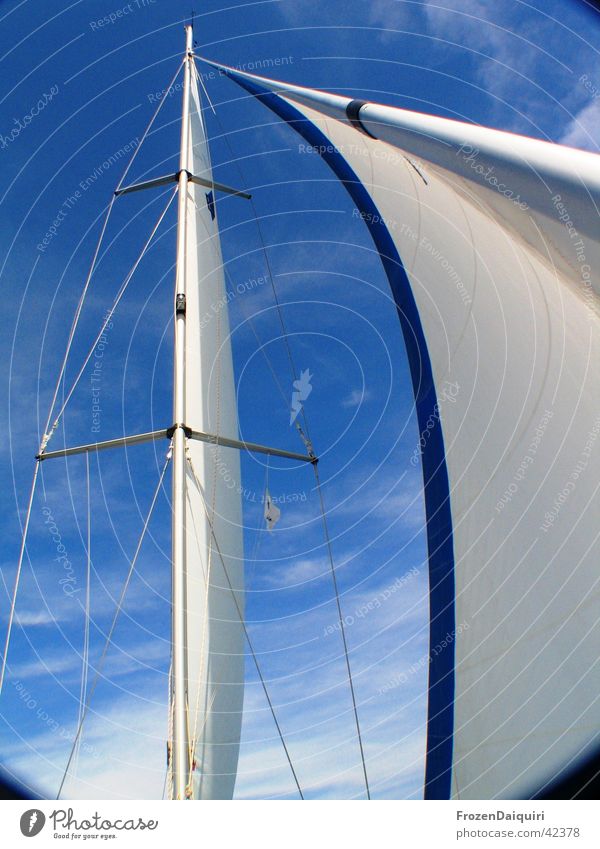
(181, 749)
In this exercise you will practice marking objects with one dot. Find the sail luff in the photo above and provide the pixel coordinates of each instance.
(181, 764)
(213, 527)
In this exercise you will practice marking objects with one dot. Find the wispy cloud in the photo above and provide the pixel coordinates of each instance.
(584, 130)
(297, 573)
(391, 15)
(122, 754)
(33, 618)
(507, 45)
(491, 34)
(387, 632)
(356, 398)
(390, 493)
(53, 665)
(301, 657)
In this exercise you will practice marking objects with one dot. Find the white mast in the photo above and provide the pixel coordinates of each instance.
(208, 631)
(180, 751)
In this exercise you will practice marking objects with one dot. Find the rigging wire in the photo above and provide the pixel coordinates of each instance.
(260, 530)
(261, 345)
(305, 436)
(267, 260)
(152, 120)
(200, 731)
(342, 627)
(247, 634)
(109, 316)
(113, 624)
(168, 785)
(13, 603)
(265, 253)
(86, 630)
(47, 434)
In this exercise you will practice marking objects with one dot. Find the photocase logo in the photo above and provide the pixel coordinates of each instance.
(32, 822)
(302, 389)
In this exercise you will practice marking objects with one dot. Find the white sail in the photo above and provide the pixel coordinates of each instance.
(214, 545)
(491, 245)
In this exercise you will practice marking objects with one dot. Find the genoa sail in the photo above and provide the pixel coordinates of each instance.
(214, 545)
(491, 247)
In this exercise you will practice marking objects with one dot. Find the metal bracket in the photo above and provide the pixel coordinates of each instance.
(100, 446)
(174, 178)
(251, 446)
(187, 430)
(220, 187)
(198, 435)
(147, 184)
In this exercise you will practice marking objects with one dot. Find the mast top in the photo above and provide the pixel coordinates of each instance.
(189, 38)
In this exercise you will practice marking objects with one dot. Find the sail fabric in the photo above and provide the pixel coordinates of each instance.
(491, 245)
(214, 545)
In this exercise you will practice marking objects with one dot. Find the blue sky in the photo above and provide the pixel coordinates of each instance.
(529, 68)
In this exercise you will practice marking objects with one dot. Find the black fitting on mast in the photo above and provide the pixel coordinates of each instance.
(180, 305)
(171, 431)
(353, 115)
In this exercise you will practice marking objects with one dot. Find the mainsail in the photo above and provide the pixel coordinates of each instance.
(490, 244)
(213, 527)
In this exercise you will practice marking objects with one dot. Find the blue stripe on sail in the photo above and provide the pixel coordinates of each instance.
(440, 719)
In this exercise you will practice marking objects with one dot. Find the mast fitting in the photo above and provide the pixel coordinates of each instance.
(353, 115)
(174, 178)
(171, 431)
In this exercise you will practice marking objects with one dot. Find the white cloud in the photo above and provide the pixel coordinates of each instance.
(32, 618)
(122, 755)
(56, 665)
(390, 15)
(487, 34)
(584, 130)
(296, 573)
(387, 495)
(312, 702)
(328, 767)
(356, 398)
(124, 742)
